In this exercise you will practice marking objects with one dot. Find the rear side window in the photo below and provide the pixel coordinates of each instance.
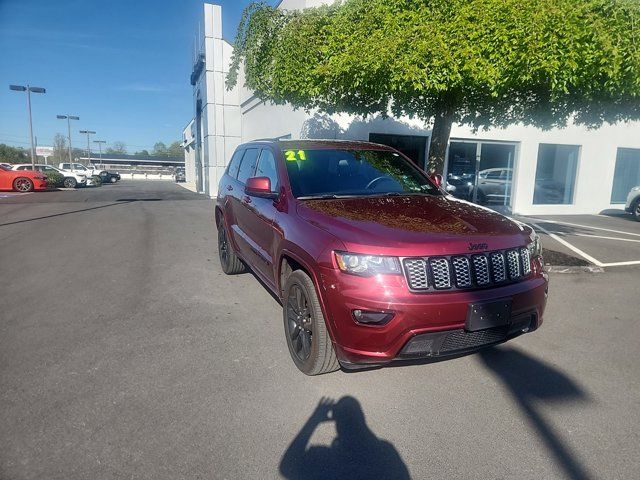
(234, 164)
(267, 168)
(248, 164)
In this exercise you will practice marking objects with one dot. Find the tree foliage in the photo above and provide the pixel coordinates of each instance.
(483, 63)
(118, 148)
(60, 149)
(10, 154)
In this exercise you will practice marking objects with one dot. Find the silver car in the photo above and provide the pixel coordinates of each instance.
(633, 202)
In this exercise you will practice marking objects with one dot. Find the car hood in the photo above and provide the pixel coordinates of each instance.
(414, 225)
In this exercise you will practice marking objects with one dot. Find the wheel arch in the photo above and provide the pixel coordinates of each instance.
(289, 262)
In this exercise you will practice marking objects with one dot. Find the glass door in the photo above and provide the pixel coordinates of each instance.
(481, 172)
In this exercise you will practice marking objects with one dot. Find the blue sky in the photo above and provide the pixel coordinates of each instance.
(122, 66)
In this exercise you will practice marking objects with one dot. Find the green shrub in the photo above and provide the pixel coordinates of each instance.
(54, 179)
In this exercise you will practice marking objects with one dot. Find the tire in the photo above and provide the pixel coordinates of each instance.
(69, 182)
(23, 184)
(635, 209)
(305, 329)
(229, 261)
(113, 179)
(97, 181)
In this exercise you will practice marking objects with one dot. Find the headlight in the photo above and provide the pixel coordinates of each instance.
(535, 247)
(366, 265)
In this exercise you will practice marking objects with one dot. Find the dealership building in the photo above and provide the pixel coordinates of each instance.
(519, 169)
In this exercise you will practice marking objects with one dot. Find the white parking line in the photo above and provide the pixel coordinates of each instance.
(606, 238)
(584, 255)
(620, 264)
(542, 220)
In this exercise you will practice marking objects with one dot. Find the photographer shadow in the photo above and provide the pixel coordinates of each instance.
(355, 452)
(531, 382)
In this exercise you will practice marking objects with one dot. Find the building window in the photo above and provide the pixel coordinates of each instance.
(626, 175)
(555, 174)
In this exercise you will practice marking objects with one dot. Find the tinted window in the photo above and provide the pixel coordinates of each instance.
(232, 169)
(626, 175)
(248, 164)
(267, 168)
(354, 172)
(555, 174)
(24, 167)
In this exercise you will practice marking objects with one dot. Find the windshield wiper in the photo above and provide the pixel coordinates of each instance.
(327, 196)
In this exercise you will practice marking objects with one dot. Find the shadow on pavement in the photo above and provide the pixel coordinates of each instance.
(530, 380)
(611, 212)
(355, 453)
(119, 202)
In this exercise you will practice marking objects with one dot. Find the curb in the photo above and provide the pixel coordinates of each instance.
(584, 269)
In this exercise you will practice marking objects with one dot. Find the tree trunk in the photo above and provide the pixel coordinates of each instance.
(439, 141)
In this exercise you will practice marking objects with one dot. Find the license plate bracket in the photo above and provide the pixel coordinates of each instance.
(483, 315)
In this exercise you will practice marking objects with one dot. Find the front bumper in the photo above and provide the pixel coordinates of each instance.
(424, 324)
(39, 184)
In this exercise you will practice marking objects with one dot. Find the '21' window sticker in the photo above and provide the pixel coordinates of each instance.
(292, 155)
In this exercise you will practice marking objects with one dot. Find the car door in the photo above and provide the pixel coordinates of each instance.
(240, 203)
(261, 224)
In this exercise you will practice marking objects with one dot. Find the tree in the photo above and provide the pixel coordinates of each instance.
(484, 63)
(160, 149)
(60, 149)
(10, 154)
(118, 148)
(175, 150)
(144, 153)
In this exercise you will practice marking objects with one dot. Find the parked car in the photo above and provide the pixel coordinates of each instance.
(21, 181)
(372, 261)
(91, 170)
(179, 175)
(633, 203)
(494, 185)
(71, 179)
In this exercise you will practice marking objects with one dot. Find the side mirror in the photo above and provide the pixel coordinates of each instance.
(259, 187)
(437, 179)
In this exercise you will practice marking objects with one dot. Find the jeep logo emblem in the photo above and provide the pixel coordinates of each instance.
(478, 246)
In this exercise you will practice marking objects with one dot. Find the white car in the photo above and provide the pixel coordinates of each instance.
(91, 170)
(71, 179)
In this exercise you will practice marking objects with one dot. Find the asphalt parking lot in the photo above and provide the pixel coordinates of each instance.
(126, 353)
(603, 240)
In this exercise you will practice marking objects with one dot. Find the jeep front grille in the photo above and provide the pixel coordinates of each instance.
(467, 271)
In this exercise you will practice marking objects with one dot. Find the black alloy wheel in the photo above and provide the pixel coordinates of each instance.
(229, 261)
(299, 324)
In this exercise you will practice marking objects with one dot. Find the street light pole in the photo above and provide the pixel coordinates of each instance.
(69, 118)
(100, 142)
(88, 132)
(28, 89)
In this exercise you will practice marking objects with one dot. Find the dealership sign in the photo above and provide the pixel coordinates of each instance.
(44, 151)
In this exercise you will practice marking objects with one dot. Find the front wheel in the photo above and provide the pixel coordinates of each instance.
(113, 179)
(70, 182)
(97, 181)
(22, 184)
(229, 261)
(635, 210)
(305, 329)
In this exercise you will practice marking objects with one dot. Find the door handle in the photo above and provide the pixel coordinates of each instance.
(229, 187)
(246, 199)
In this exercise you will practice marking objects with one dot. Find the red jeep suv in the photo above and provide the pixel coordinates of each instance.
(371, 259)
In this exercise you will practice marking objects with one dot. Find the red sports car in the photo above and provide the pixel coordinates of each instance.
(21, 180)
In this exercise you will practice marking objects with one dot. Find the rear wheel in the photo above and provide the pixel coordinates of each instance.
(305, 329)
(70, 182)
(113, 179)
(635, 210)
(22, 184)
(229, 261)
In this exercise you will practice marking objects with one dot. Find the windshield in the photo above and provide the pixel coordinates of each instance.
(320, 173)
(2, 167)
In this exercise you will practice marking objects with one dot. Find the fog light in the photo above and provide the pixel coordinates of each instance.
(371, 317)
